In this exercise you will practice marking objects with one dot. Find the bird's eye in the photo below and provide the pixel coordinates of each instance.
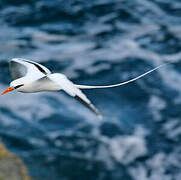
(18, 86)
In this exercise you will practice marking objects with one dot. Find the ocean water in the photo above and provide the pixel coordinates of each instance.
(95, 42)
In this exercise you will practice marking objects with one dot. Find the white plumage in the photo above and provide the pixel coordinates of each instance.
(29, 77)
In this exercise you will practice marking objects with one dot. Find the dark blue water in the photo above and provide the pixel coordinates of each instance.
(95, 42)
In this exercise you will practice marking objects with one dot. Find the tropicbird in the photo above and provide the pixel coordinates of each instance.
(29, 77)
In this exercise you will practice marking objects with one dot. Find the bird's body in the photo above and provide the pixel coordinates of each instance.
(37, 85)
(30, 77)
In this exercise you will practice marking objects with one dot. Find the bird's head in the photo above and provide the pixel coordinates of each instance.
(16, 84)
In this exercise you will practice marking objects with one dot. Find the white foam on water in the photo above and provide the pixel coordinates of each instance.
(125, 149)
(157, 104)
(153, 169)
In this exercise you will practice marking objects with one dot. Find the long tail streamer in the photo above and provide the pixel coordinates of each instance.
(122, 83)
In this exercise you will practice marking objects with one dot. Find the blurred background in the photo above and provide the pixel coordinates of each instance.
(95, 42)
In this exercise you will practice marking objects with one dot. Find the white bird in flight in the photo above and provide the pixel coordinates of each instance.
(30, 77)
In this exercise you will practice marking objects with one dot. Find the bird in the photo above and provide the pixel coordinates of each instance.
(30, 77)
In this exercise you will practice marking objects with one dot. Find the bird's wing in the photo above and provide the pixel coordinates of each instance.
(23, 67)
(66, 85)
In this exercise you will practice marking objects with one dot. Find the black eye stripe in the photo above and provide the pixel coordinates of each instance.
(18, 86)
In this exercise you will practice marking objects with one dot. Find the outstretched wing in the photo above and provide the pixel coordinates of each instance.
(23, 67)
(66, 85)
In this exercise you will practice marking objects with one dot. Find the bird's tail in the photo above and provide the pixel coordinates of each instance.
(122, 83)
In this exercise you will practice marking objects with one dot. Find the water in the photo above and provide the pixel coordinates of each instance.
(95, 42)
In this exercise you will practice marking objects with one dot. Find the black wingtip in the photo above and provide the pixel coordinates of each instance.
(89, 106)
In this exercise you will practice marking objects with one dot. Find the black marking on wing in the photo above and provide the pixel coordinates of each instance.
(89, 105)
(37, 66)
